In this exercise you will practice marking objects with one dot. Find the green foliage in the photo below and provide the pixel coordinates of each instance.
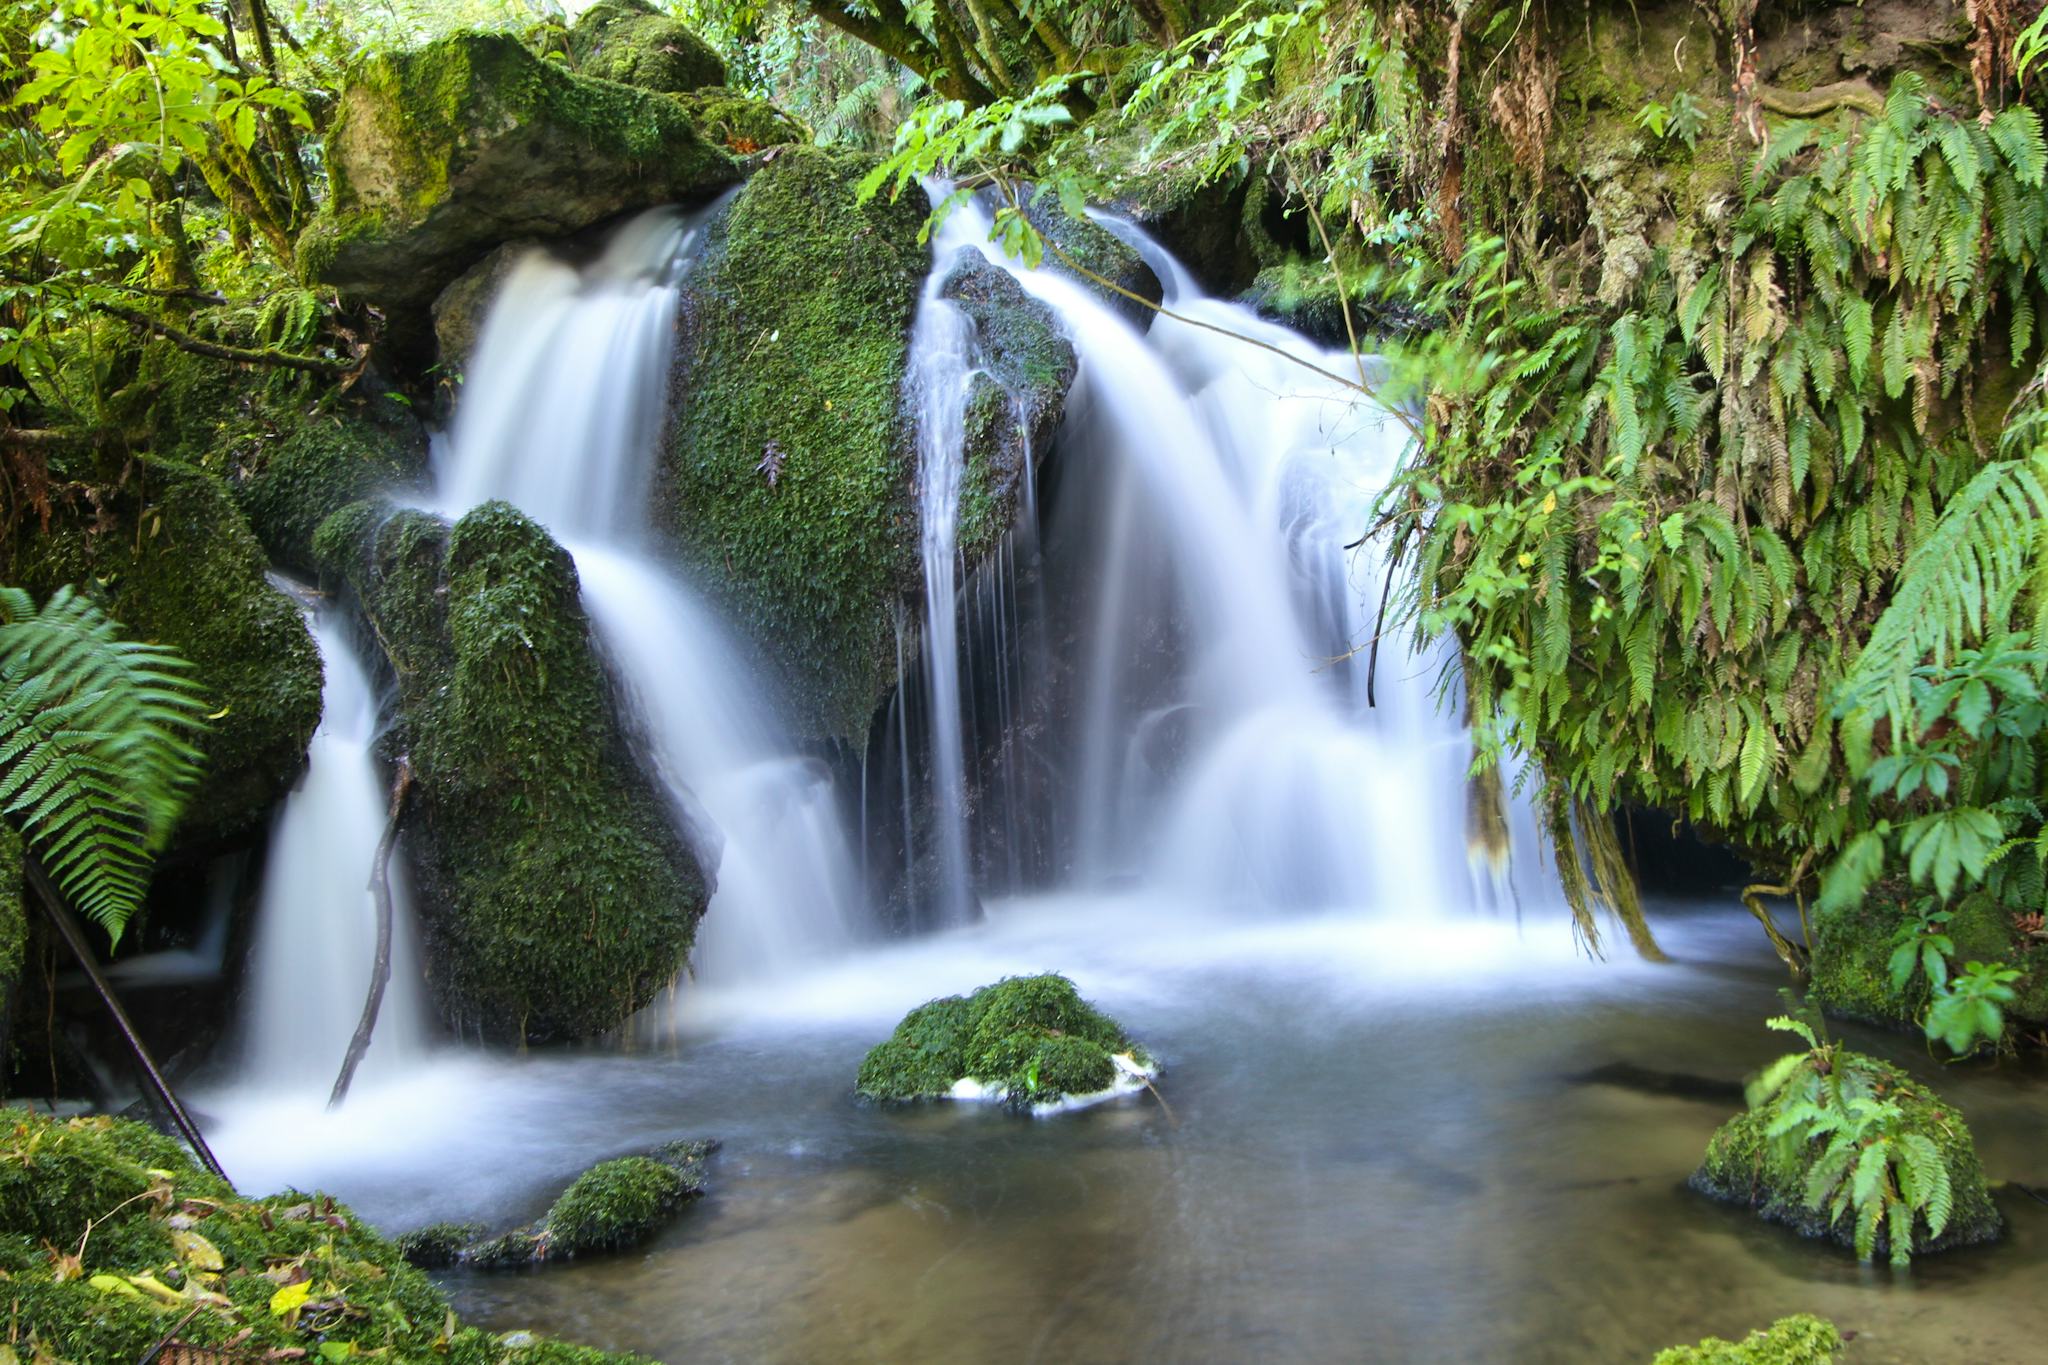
(1798, 1340)
(1843, 1146)
(113, 1237)
(96, 752)
(1031, 1036)
(1969, 1009)
(1682, 119)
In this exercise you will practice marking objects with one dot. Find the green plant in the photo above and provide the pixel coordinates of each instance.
(1868, 1168)
(1920, 944)
(1969, 1009)
(95, 747)
(1683, 119)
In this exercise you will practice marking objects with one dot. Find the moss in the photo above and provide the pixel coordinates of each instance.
(1743, 1166)
(633, 43)
(13, 933)
(437, 1244)
(173, 560)
(142, 1211)
(440, 153)
(555, 893)
(1099, 255)
(613, 1204)
(738, 121)
(816, 559)
(321, 462)
(1801, 1339)
(1034, 1036)
(1851, 953)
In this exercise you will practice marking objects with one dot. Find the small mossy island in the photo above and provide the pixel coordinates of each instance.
(112, 1241)
(1852, 1150)
(1801, 1339)
(1030, 1040)
(555, 892)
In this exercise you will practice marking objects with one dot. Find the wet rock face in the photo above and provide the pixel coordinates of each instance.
(633, 43)
(439, 154)
(460, 309)
(555, 895)
(1081, 248)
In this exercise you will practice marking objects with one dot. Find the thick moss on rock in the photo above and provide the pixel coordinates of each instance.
(1014, 408)
(787, 478)
(166, 1237)
(13, 941)
(555, 894)
(439, 154)
(1852, 948)
(171, 558)
(739, 122)
(633, 43)
(613, 1205)
(1033, 1037)
(322, 460)
(1801, 1339)
(1744, 1166)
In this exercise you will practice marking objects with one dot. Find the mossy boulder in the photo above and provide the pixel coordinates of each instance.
(787, 478)
(1852, 947)
(439, 154)
(738, 122)
(318, 460)
(170, 556)
(614, 1205)
(1801, 1339)
(1015, 404)
(554, 893)
(632, 42)
(1747, 1167)
(1032, 1039)
(13, 941)
(282, 1276)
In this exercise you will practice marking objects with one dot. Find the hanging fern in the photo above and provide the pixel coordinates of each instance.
(96, 751)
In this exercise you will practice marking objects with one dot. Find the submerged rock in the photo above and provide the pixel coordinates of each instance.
(1746, 1165)
(1801, 1339)
(555, 896)
(441, 153)
(614, 1205)
(787, 477)
(633, 43)
(1031, 1041)
(169, 555)
(280, 1277)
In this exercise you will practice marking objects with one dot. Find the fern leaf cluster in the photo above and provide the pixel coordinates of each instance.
(96, 751)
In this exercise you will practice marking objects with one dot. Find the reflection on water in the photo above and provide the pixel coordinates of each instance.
(1383, 1146)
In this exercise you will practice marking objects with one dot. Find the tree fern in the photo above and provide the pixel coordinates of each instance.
(96, 749)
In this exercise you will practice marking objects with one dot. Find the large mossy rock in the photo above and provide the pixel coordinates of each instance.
(1801, 1339)
(439, 154)
(319, 461)
(1852, 948)
(788, 473)
(633, 43)
(1098, 259)
(169, 555)
(555, 894)
(1032, 1039)
(1746, 1166)
(160, 1227)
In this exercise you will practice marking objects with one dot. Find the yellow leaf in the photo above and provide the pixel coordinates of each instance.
(196, 1251)
(1549, 503)
(155, 1288)
(114, 1284)
(290, 1298)
(222, 712)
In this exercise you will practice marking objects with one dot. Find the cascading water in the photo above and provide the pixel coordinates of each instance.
(316, 934)
(560, 416)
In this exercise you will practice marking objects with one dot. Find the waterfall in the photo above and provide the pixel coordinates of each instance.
(1203, 533)
(316, 929)
(560, 416)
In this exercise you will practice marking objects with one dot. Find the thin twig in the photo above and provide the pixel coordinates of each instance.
(380, 971)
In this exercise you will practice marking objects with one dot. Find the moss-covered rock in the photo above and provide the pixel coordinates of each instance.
(739, 122)
(1100, 255)
(284, 1274)
(1746, 1166)
(788, 472)
(172, 559)
(632, 42)
(1852, 947)
(555, 895)
(613, 1205)
(1015, 405)
(13, 941)
(1801, 1339)
(441, 153)
(1032, 1039)
(319, 460)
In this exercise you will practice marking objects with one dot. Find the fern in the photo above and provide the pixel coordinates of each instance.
(96, 750)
